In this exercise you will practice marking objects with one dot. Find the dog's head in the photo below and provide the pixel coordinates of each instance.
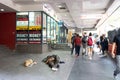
(28, 62)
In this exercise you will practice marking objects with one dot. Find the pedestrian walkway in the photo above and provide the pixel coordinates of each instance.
(99, 68)
(12, 66)
(81, 68)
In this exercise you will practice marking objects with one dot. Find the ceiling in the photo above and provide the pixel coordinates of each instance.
(6, 8)
(74, 13)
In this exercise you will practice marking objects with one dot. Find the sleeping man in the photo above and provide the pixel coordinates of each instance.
(52, 61)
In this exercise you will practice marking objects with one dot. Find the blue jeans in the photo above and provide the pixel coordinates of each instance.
(77, 49)
(72, 48)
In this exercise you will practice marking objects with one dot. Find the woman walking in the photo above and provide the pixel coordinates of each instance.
(77, 43)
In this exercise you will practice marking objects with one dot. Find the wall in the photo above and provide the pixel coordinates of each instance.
(8, 29)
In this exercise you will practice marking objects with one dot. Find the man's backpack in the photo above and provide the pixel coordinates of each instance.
(84, 39)
(77, 41)
(90, 42)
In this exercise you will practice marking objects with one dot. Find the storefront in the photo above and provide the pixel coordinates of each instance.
(63, 31)
(34, 30)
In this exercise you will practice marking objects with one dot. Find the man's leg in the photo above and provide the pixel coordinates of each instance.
(78, 50)
(86, 52)
(83, 50)
(103, 50)
(72, 49)
(117, 63)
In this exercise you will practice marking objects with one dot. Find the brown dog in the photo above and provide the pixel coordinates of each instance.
(29, 63)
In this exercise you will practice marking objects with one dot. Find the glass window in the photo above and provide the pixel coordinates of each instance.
(22, 27)
(28, 28)
(48, 29)
(44, 28)
(34, 20)
(52, 29)
(34, 27)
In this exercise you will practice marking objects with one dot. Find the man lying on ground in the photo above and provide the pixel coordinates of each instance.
(53, 62)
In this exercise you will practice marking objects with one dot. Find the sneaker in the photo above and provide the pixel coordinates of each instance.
(115, 74)
(90, 58)
(86, 54)
(54, 69)
(116, 78)
(76, 56)
(83, 54)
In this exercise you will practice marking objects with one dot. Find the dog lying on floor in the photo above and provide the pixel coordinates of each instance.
(29, 63)
(53, 62)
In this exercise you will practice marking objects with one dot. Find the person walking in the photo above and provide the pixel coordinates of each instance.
(77, 44)
(72, 42)
(90, 46)
(104, 44)
(84, 44)
(116, 53)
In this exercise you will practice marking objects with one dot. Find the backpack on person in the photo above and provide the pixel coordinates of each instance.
(84, 39)
(90, 42)
(77, 41)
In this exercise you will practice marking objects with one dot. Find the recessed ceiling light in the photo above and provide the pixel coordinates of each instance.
(59, 6)
(40, 0)
(91, 16)
(2, 10)
(36, 0)
(65, 14)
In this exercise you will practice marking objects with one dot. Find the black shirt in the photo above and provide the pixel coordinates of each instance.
(117, 41)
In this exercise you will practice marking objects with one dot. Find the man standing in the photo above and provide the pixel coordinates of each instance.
(77, 44)
(72, 42)
(84, 44)
(116, 46)
(104, 44)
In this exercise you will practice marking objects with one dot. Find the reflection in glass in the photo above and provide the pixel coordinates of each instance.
(48, 29)
(44, 29)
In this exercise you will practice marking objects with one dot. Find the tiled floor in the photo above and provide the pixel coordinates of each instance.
(95, 69)
(11, 67)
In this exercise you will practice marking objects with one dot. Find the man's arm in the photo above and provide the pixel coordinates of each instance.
(113, 49)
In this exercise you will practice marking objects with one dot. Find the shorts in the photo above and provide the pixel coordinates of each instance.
(90, 46)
